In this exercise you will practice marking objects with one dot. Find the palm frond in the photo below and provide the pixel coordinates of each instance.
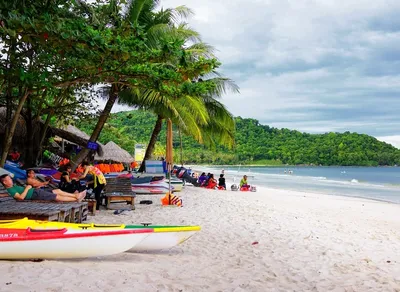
(176, 14)
(201, 49)
(223, 85)
(195, 107)
(134, 10)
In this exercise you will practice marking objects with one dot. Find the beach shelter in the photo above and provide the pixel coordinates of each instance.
(113, 152)
(169, 149)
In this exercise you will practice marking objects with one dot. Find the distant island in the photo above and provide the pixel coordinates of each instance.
(256, 144)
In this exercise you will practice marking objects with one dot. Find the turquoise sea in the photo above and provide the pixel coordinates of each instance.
(377, 183)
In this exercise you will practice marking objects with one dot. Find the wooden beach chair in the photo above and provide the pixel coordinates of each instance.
(65, 211)
(119, 190)
(73, 212)
(91, 207)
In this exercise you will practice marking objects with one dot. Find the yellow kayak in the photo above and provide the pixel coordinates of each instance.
(37, 224)
(163, 236)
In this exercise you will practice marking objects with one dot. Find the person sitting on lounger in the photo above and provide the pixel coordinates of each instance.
(33, 181)
(29, 193)
(68, 184)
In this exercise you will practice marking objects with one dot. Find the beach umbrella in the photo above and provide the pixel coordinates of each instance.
(169, 148)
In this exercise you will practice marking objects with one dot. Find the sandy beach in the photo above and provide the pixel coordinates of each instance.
(271, 240)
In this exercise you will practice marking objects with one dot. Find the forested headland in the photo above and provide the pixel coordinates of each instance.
(255, 144)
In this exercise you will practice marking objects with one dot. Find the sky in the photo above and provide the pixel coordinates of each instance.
(309, 65)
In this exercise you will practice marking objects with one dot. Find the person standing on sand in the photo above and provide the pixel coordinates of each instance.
(99, 181)
(29, 193)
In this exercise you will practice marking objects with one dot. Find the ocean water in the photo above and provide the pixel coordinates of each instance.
(377, 183)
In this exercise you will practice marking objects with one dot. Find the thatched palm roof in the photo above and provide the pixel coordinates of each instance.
(115, 153)
(71, 133)
(74, 135)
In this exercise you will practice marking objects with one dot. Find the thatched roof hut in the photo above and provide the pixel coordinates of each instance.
(76, 136)
(71, 133)
(112, 152)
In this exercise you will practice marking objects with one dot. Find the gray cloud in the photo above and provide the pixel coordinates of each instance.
(309, 65)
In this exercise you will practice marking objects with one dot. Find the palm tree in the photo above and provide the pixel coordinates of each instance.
(157, 25)
(202, 117)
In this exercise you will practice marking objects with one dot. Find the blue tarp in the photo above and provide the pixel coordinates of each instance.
(18, 172)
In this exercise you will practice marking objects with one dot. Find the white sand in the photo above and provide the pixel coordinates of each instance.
(306, 242)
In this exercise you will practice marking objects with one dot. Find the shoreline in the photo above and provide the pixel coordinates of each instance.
(302, 165)
(362, 190)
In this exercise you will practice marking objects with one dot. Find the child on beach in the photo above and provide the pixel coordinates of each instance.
(221, 182)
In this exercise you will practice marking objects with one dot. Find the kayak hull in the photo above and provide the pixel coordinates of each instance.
(67, 246)
(37, 224)
(163, 237)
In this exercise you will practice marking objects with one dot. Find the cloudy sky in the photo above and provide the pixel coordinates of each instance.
(311, 65)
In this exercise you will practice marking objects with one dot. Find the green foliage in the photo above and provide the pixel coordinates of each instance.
(255, 144)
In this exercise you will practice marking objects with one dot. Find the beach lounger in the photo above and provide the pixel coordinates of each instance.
(119, 189)
(13, 210)
(92, 203)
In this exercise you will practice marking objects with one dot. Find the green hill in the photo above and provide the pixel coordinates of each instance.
(255, 144)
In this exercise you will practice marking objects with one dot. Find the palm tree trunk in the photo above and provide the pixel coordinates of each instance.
(10, 134)
(152, 142)
(113, 95)
(180, 138)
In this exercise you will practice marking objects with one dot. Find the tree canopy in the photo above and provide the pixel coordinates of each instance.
(255, 144)
(54, 50)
